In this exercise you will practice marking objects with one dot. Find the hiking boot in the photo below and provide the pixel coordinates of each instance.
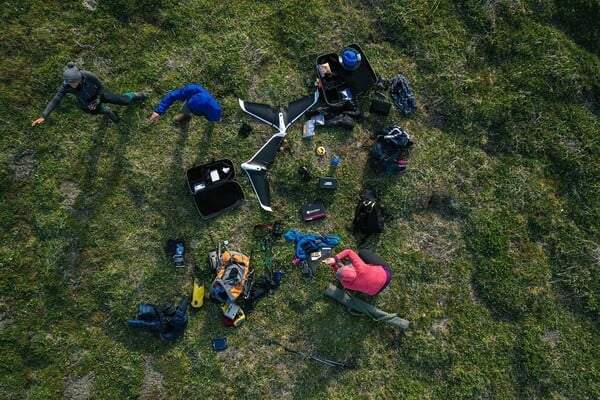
(136, 95)
(139, 96)
(182, 119)
(110, 114)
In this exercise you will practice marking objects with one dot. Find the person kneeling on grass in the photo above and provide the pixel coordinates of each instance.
(90, 93)
(196, 100)
(366, 273)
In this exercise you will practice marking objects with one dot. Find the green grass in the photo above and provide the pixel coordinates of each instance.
(492, 233)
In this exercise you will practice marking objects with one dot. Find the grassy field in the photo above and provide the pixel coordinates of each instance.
(493, 233)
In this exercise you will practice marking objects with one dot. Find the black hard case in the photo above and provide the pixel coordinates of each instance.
(217, 196)
(358, 81)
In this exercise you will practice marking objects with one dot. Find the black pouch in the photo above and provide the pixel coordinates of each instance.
(312, 211)
(380, 107)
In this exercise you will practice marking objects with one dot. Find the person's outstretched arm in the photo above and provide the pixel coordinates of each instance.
(60, 94)
(336, 261)
(180, 94)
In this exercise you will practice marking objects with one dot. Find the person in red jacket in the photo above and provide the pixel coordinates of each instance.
(366, 273)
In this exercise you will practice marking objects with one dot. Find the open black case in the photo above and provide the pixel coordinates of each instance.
(335, 83)
(214, 188)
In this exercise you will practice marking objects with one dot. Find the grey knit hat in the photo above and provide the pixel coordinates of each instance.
(71, 73)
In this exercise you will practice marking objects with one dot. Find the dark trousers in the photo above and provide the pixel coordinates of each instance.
(111, 98)
(371, 258)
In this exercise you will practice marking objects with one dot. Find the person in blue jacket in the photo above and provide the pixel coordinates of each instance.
(196, 100)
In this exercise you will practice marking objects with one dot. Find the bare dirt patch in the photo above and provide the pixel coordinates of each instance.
(70, 193)
(440, 325)
(153, 387)
(23, 165)
(80, 388)
(552, 338)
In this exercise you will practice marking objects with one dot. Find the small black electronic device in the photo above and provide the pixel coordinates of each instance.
(327, 182)
(312, 211)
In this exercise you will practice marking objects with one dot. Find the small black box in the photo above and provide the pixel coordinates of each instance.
(312, 211)
(380, 107)
(327, 182)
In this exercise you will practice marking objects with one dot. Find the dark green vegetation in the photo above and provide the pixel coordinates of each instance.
(493, 232)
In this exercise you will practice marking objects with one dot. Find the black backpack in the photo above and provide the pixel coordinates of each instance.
(388, 152)
(368, 215)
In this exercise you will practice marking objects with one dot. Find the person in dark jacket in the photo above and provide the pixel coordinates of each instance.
(196, 100)
(90, 92)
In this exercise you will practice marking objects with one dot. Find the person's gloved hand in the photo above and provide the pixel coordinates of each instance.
(38, 121)
(92, 105)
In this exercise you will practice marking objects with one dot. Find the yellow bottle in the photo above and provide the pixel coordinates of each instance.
(197, 294)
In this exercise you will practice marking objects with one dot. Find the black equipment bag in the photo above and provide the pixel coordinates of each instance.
(387, 154)
(368, 215)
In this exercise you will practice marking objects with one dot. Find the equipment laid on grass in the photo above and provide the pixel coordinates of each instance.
(232, 276)
(402, 95)
(198, 294)
(219, 344)
(342, 74)
(387, 154)
(327, 182)
(322, 360)
(263, 286)
(368, 215)
(380, 107)
(232, 283)
(175, 249)
(279, 118)
(233, 315)
(214, 188)
(364, 308)
(312, 211)
(306, 244)
(169, 323)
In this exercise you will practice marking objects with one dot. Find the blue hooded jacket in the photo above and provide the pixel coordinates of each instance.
(198, 100)
(305, 244)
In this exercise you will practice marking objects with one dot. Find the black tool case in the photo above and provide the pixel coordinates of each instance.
(214, 188)
(358, 81)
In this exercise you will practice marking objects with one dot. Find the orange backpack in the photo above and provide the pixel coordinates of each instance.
(231, 277)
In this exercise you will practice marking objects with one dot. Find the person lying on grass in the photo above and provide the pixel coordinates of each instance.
(366, 273)
(90, 92)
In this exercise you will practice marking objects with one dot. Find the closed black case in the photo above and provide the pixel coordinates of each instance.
(312, 211)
